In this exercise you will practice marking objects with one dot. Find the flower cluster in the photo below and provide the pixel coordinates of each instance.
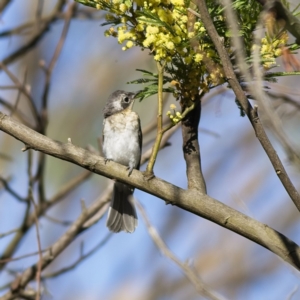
(271, 47)
(176, 116)
(172, 34)
(162, 26)
(177, 37)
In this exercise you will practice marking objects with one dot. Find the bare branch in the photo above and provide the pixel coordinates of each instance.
(8, 233)
(80, 259)
(6, 260)
(36, 36)
(18, 114)
(200, 286)
(3, 5)
(22, 88)
(11, 191)
(76, 228)
(30, 197)
(29, 219)
(55, 220)
(190, 200)
(48, 70)
(292, 293)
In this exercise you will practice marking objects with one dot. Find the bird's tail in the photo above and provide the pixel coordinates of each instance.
(121, 213)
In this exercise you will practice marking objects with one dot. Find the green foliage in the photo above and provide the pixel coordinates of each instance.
(152, 87)
(271, 75)
(177, 37)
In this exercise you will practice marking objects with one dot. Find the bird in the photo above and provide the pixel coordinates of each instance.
(122, 143)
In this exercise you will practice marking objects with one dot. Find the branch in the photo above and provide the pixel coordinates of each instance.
(8, 233)
(80, 259)
(248, 109)
(191, 149)
(29, 274)
(258, 92)
(149, 170)
(189, 200)
(48, 70)
(37, 36)
(145, 157)
(4, 4)
(292, 23)
(22, 88)
(30, 198)
(11, 191)
(42, 208)
(66, 189)
(17, 113)
(200, 286)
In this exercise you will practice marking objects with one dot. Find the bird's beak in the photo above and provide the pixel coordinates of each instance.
(131, 104)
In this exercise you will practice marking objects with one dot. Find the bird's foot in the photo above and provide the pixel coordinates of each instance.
(107, 160)
(129, 169)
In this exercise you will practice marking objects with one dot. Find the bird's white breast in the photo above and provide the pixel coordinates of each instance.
(121, 138)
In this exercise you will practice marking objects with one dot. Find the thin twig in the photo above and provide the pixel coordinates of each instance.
(8, 232)
(24, 90)
(11, 247)
(10, 259)
(18, 114)
(30, 197)
(26, 28)
(29, 219)
(159, 134)
(292, 293)
(199, 285)
(55, 220)
(37, 36)
(11, 191)
(44, 112)
(39, 12)
(76, 228)
(80, 259)
(19, 95)
(259, 94)
(48, 70)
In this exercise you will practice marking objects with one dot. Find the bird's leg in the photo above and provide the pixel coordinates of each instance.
(129, 169)
(107, 160)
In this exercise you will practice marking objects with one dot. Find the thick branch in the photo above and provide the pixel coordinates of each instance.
(189, 200)
(191, 149)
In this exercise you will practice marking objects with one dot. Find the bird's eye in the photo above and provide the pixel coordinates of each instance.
(126, 100)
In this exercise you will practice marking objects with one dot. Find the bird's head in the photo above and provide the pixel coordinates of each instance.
(118, 101)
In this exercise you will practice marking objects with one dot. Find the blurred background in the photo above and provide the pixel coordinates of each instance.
(129, 266)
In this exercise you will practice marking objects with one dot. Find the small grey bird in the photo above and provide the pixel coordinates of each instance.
(122, 143)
